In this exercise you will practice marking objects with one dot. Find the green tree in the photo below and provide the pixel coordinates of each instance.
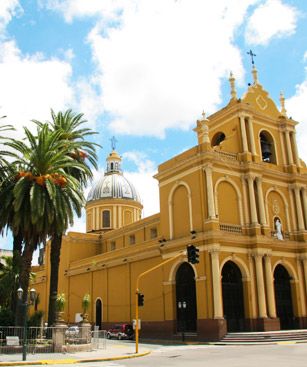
(40, 200)
(8, 280)
(7, 169)
(71, 127)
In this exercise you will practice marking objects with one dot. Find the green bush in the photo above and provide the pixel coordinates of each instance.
(6, 317)
(36, 318)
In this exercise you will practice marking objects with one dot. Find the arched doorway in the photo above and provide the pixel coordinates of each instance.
(233, 302)
(283, 298)
(98, 313)
(186, 298)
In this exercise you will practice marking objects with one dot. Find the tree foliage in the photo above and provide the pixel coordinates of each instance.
(41, 186)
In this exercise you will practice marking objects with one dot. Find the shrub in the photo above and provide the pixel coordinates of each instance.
(86, 301)
(36, 318)
(6, 317)
(60, 302)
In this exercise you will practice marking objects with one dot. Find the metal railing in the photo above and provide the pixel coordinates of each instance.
(99, 339)
(40, 339)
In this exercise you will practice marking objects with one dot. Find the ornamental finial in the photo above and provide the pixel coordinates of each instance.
(233, 91)
(282, 104)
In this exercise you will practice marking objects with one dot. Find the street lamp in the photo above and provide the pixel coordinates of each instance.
(182, 306)
(30, 301)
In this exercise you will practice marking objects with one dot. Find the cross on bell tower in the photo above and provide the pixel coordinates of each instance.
(250, 52)
(113, 142)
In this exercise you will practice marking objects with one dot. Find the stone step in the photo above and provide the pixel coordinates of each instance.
(271, 336)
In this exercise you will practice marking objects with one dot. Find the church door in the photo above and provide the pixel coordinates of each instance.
(233, 302)
(98, 313)
(283, 298)
(186, 299)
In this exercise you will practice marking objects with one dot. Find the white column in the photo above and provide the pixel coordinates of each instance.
(252, 201)
(289, 148)
(260, 201)
(260, 286)
(243, 134)
(251, 136)
(296, 156)
(305, 270)
(269, 286)
(245, 201)
(299, 212)
(216, 283)
(210, 194)
(304, 195)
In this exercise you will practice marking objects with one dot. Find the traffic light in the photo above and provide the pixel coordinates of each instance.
(193, 254)
(140, 299)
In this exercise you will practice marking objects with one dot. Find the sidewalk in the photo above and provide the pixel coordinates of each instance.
(114, 351)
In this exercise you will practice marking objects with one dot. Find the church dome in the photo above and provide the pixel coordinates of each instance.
(113, 185)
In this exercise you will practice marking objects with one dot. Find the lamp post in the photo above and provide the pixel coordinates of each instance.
(30, 301)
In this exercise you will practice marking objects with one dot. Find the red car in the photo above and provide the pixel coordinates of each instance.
(121, 331)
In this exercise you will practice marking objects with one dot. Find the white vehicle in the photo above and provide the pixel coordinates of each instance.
(72, 331)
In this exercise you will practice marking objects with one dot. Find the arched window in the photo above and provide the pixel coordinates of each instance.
(106, 219)
(112, 166)
(217, 139)
(267, 147)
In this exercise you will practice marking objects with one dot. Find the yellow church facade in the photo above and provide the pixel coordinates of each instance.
(239, 196)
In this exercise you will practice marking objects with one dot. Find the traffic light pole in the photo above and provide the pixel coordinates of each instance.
(137, 292)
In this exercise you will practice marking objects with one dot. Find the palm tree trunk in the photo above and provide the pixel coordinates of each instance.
(56, 244)
(24, 279)
(17, 248)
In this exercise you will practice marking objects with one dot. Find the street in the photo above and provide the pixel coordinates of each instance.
(281, 355)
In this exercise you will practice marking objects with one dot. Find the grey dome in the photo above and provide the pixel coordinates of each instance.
(113, 186)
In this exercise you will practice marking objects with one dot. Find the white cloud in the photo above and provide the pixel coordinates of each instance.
(88, 100)
(8, 9)
(31, 85)
(83, 8)
(269, 20)
(160, 63)
(144, 182)
(296, 106)
(163, 66)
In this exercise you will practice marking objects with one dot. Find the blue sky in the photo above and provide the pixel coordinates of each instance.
(144, 70)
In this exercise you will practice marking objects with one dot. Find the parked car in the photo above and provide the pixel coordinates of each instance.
(72, 331)
(121, 331)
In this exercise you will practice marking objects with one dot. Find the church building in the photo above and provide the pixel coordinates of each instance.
(239, 195)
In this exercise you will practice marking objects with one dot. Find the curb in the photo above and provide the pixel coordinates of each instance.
(72, 361)
(281, 342)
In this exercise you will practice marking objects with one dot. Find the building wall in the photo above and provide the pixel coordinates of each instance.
(224, 199)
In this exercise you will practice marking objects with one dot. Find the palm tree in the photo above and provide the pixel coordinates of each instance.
(40, 200)
(71, 126)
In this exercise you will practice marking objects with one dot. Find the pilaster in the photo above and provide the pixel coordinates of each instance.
(262, 312)
(269, 286)
(214, 251)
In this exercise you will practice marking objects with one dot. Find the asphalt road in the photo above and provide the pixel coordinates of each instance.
(281, 355)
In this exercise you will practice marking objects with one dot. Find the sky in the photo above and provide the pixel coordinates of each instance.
(144, 70)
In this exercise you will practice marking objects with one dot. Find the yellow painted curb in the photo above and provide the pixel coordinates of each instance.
(113, 358)
(72, 361)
